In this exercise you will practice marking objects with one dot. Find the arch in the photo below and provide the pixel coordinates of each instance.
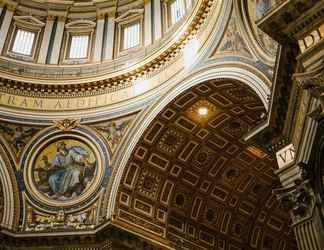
(208, 72)
(10, 192)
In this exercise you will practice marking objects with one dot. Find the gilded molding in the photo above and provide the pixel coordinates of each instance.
(67, 124)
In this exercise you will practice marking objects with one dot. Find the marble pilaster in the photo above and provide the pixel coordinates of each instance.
(6, 24)
(57, 40)
(46, 40)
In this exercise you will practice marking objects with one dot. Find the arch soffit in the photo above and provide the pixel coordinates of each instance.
(149, 113)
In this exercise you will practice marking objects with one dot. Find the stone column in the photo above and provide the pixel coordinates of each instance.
(58, 39)
(147, 22)
(46, 39)
(307, 225)
(157, 19)
(298, 196)
(6, 24)
(109, 34)
(99, 37)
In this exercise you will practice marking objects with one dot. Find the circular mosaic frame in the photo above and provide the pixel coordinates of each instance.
(54, 135)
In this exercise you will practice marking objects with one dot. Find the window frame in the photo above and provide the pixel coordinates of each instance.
(128, 18)
(71, 35)
(14, 41)
(28, 24)
(122, 36)
(167, 14)
(78, 28)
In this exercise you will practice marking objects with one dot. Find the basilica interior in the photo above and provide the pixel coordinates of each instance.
(161, 124)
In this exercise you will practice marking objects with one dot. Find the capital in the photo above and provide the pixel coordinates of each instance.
(298, 199)
(60, 15)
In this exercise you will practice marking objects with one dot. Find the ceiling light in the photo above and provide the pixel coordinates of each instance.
(203, 111)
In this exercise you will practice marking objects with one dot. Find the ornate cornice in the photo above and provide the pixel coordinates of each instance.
(291, 18)
(111, 236)
(152, 65)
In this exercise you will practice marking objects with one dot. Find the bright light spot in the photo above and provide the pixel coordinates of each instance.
(190, 51)
(203, 111)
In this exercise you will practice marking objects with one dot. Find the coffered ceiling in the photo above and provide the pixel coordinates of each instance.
(194, 183)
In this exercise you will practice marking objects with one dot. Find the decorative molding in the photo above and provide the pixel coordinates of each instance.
(80, 25)
(106, 237)
(129, 13)
(156, 60)
(67, 124)
(29, 21)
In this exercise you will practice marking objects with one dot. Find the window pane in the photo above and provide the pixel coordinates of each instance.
(131, 36)
(79, 47)
(23, 43)
(177, 10)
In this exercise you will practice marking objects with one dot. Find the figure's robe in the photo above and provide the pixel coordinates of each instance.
(72, 164)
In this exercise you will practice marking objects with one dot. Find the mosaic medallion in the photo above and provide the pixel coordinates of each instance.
(65, 168)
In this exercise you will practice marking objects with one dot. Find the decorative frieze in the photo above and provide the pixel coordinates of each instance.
(109, 238)
(43, 222)
(311, 39)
